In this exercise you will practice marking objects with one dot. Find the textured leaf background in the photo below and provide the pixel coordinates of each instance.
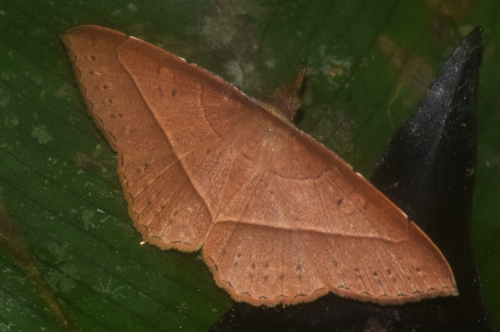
(369, 65)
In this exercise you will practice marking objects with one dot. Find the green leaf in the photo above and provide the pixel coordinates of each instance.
(57, 173)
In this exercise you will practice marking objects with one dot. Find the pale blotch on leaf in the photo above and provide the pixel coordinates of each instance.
(63, 278)
(5, 98)
(88, 217)
(41, 135)
(233, 69)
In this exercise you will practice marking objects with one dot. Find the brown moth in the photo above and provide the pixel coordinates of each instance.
(279, 218)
